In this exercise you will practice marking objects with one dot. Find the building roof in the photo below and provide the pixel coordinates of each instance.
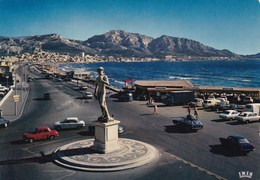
(166, 84)
(226, 89)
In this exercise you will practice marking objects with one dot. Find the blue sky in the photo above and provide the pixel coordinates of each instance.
(222, 24)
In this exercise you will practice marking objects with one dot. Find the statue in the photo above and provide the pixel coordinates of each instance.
(100, 94)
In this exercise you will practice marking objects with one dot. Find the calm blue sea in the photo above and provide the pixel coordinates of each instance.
(205, 73)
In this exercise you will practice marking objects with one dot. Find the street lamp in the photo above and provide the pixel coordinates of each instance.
(7, 78)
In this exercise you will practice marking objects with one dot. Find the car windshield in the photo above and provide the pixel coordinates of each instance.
(243, 140)
(226, 112)
(243, 114)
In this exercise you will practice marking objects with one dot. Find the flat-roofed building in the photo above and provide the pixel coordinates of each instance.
(157, 88)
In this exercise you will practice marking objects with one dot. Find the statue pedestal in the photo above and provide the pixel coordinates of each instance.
(106, 136)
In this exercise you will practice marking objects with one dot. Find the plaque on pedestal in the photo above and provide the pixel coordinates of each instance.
(106, 136)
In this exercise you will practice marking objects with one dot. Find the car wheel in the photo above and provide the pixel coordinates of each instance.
(78, 127)
(51, 137)
(58, 128)
(30, 140)
(5, 125)
(247, 122)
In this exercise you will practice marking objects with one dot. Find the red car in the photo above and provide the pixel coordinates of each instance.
(40, 133)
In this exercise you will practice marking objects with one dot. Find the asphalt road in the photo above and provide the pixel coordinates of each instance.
(183, 155)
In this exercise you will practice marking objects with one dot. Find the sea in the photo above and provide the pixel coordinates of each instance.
(243, 73)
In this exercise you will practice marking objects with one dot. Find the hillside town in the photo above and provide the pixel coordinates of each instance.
(50, 60)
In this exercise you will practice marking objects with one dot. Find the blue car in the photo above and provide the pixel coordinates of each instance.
(3, 122)
(237, 144)
(189, 123)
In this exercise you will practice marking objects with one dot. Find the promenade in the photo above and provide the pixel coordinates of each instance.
(11, 110)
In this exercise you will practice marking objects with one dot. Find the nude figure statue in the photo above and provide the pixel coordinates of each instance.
(100, 94)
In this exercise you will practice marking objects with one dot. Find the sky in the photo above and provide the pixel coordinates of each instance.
(221, 24)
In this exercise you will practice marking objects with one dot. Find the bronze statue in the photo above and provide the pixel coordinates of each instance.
(100, 94)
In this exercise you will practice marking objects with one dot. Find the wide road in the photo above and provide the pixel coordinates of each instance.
(182, 155)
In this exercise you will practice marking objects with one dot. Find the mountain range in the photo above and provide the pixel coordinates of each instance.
(116, 43)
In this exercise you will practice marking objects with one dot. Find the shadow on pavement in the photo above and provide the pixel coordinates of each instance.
(40, 159)
(18, 142)
(41, 99)
(175, 129)
(219, 120)
(76, 151)
(220, 150)
(146, 114)
(86, 133)
(234, 123)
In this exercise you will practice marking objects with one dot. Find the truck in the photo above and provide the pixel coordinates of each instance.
(253, 107)
(178, 98)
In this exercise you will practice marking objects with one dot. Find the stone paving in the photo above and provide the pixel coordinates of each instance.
(80, 156)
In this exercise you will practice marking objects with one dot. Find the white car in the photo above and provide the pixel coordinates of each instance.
(4, 89)
(229, 114)
(248, 117)
(88, 95)
(69, 123)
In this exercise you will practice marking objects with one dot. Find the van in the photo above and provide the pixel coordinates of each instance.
(198, 102)
(211, 102)
(223, 101)
(253, 107)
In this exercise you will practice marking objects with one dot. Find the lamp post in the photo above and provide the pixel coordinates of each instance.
(7, 78)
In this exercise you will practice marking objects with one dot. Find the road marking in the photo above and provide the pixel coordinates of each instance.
(71, 173)
(49, 142)
(196, 166)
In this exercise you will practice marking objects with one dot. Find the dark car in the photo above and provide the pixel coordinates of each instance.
(236, 107)
(46, 96)
(127, 97)
(189, 123)
(237, 144)
(3, 122)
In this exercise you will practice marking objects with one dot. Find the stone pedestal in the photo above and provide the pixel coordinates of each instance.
(106, 136)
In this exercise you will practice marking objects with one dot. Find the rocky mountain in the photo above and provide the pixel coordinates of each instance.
(253, 56)
(113, 43)
(120, 43)
(167, 45)
(49, 42)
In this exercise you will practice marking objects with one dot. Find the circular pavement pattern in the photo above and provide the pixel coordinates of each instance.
(80, 155)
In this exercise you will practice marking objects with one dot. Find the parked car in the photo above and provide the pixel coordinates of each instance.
(80, 88)
(4, 89)
(57, 79)
(237, 144)
(247, 99)
(223, 101)
(3, 122)
(198, 102)
(236, 107)
(91, 129)
(69, 123)
(126, 97)
(40, 133)
(88, 95)
(229, 114)
(210, 102)
(189, 123)
(247, 117)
